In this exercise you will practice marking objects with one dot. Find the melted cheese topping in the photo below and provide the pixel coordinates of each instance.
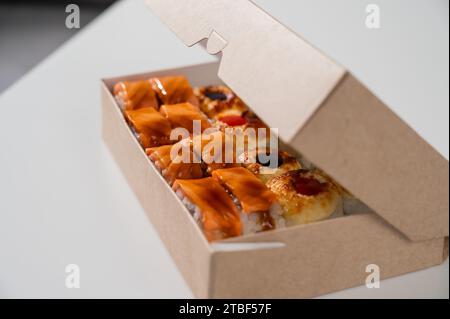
(265, 172)
(306, 196)
(215, 100)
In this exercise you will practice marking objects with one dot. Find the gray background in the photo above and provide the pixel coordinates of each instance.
(30, 31)
(63, 199)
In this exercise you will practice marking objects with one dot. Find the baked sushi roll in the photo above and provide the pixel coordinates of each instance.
(174, 90)
(260, 164)
(211, 206)
(149, 126)
(249, 131)
(221, 149)
(245, 120)
(183, 115)
(133, 95)
(172, 166)
(219, 100)
(306, 196)
(258, 205)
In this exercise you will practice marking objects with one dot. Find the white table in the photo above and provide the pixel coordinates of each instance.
(63, 199)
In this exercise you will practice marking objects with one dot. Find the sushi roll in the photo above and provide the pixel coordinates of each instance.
(351, 205)
(266, 170)
(249, 132)
(238, 120)
(211, 206)
(183, 115)
(216, 149)
(258, 206)
(306, 196)
(228, 112)
(174, 168)
(133, 95)
(216, 101)
(174, 90)
(149, 126)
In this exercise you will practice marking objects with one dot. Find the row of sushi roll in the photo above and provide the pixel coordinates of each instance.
(226, 199)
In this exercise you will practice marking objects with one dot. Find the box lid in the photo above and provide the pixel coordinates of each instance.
(320, 110)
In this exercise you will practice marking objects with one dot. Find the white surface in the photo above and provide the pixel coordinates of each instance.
(23, 45)
(63, 199)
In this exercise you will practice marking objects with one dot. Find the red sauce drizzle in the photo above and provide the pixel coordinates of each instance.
(233, 120)
(308, 186)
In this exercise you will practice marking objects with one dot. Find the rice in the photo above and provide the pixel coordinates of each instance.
(193, 209)
(256, 222)
(276, 212)
(251, 223)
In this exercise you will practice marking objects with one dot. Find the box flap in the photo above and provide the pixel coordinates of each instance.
(292, 86)
(290, 73)
(369, 150)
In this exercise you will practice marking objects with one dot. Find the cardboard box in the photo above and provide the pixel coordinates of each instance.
(323, 112)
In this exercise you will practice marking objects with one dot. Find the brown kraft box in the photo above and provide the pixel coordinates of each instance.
(325, 113)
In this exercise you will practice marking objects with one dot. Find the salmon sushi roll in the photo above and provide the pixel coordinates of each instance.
(133, 95)
(172, 166)
(211, 206)
(174, 90)
(149, 126)
(215, 149)
(258, 205)
(183, 115)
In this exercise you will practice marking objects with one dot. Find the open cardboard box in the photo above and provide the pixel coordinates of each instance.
(326, 114)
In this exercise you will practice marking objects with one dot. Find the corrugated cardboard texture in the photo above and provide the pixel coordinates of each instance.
(320, 258)
(291, 75)
(369, 150)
